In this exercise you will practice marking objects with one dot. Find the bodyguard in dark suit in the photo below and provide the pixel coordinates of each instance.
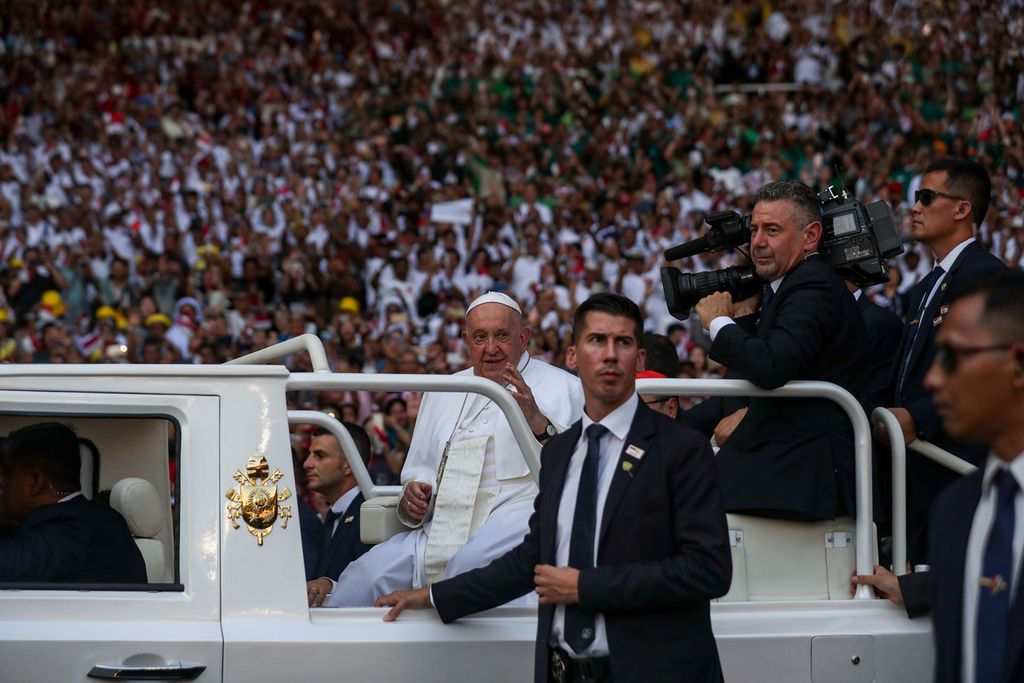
(953, 198)
(61, 535)
(789, 458)
(976, 537)
(627, 543)
(328, 473)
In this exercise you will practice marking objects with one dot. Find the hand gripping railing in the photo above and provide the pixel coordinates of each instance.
(832, 392)
(884, 417)
(307, 381)
(304, 342)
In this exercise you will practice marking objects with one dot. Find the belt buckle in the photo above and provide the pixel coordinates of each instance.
(559, 667)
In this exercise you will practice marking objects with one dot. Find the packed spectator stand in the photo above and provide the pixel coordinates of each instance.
(186, 182)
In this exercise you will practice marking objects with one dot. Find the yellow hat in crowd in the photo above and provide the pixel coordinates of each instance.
(348, 304)
(52, 302)
(158, 318)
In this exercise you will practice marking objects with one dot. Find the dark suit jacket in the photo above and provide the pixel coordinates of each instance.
(951, 522)
(925, 478)
(663, 554)
(793, 458)
(884, 330)
(312, 538)
(345, 545)
(75, 541)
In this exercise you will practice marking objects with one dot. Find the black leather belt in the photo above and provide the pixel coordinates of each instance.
(566, 669)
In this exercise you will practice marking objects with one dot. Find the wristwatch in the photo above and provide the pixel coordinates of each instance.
(549, 431)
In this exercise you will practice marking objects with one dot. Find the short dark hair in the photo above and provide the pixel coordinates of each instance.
(358, 434)
(612, 304)
(661, 354)
(1002, 291)
(968, 179)
(50, 447)
(807, 207)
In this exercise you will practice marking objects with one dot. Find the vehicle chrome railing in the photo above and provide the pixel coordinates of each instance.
(348, 449)
(800, 389)
(310, 343)
(317, 381)
(885, 418)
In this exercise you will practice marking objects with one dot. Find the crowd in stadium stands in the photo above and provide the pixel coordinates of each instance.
(186, 182)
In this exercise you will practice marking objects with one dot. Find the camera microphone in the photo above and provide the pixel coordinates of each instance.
(687, 249)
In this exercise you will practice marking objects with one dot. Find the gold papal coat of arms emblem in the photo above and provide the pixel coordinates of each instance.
(257, 499)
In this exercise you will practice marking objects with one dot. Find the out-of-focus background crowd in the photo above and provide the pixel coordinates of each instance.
(186, 182)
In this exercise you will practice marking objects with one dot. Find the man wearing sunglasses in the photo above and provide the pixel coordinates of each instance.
(952, 199)
(977, 536)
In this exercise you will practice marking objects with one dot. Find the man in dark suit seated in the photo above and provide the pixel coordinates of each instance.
(627, 542)
(61, 536)
(953, 199)
(789, 458)
(328, 473)
(975, 542)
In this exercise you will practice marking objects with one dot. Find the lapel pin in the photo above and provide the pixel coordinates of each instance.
(634, 451)
(348, 520)
(943, 310)
(942, 287)
(627, 467)
(937, 321)
(996, 584)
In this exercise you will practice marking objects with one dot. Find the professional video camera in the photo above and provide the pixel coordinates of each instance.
(684, 290)
(855, 241)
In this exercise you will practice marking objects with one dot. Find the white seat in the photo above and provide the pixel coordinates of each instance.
(777, 560)
(138, 502)
(378, 519)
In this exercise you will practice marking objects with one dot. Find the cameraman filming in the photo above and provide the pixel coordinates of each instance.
(788, 458)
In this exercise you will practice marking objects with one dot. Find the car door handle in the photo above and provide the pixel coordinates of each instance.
(147, 667)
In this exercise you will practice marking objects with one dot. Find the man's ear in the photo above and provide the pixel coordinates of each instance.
(963, 210)
(570, 358)
(812, 236)
(641, 361)
(525, 333)
(38, 483)
(672, 407)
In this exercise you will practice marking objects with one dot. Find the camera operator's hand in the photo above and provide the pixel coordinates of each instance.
(715, 305)
(747, 306)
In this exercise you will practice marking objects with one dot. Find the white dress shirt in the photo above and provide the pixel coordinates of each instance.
(984, 517)
(945, 264)
(618, 423)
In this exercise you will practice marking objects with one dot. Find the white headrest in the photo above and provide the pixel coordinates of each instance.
(137, 501)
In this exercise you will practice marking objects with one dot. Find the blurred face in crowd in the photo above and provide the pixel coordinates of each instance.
(325, 467)
(779, 240)
(495, 335)
(607, 355)
(978, 387)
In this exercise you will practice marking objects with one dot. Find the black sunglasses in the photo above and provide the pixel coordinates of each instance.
(948, 356)
(926, 196)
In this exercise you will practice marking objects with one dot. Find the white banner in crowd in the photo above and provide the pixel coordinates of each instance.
(459, 212)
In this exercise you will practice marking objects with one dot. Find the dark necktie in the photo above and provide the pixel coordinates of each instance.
(926, 286)
(766, 297)
(329, 521)
(579, 625)
(996, 577)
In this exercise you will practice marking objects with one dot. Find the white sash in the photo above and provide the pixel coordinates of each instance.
(460, 505)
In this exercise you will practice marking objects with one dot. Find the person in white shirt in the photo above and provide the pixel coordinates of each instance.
(465, 510)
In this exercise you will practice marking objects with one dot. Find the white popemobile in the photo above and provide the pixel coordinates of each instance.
(226, 598)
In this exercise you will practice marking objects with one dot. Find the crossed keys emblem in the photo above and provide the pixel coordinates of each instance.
(257, 500)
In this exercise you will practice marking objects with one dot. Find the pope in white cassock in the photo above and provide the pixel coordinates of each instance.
(468, 493)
